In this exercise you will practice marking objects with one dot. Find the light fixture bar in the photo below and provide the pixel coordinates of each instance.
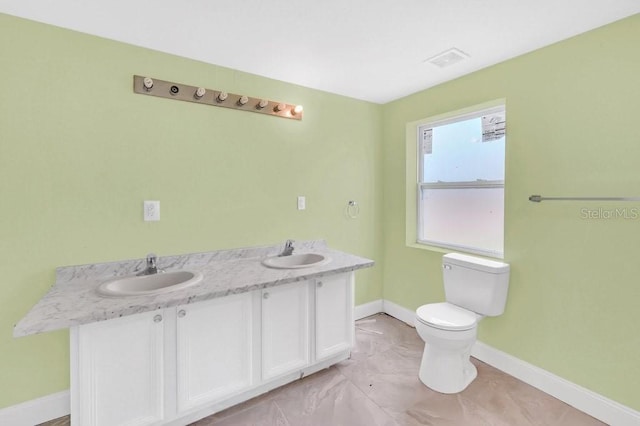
(220, 98)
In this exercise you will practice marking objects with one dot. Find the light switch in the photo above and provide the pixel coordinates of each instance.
(151, 211)
(302, 202)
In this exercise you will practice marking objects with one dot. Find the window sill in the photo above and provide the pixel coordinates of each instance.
(464, 250)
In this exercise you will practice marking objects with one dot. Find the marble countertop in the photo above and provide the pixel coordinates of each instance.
(74, 300)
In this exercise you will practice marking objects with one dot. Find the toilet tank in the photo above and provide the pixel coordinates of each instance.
(476, 284)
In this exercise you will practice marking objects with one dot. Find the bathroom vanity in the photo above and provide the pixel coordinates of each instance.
(175, 357)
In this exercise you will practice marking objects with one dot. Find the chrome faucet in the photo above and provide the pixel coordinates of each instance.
(288, 248)
(152, 265)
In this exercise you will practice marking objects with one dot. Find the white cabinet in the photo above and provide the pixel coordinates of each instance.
(117, 371)
(179, 364)
(334, 325)
(285, 329)
(214, 349)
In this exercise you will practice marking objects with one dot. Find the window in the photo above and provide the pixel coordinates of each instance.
(460, 185)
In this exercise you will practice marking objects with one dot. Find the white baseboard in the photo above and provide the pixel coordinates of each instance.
(581, 398)
(597, 406)
(57, 405)
(367, 309)
(399, 312)
(36, 411)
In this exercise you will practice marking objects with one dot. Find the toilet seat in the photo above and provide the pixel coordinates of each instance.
(446, 316)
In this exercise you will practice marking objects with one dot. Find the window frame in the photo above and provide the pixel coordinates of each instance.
(414, 174)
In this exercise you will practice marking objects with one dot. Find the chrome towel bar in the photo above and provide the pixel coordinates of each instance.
(539, 198)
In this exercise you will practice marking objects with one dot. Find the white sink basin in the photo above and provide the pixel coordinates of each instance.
(295, 261)
(163, 282)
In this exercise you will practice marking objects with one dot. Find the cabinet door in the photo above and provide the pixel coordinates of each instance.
(285, 329)
(214, 355)
(117, 376)
(334, 315)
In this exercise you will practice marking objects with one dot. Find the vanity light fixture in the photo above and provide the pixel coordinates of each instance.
(199, 93)
(262, 104)
(219, 98)
(243, 100)
(222, 96)
(148, 83)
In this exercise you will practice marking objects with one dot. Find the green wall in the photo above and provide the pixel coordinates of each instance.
(572, 130)
(79, 152)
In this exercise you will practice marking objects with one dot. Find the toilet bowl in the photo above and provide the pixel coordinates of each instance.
(449, 333)
(474, 287)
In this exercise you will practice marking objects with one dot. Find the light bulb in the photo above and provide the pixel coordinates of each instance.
(199, 93)
(279, 107)
(262, 104)
(243, 100)
(222, 97)
(296, 110)
(148, 83)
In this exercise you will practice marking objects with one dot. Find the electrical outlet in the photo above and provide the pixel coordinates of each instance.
(151, 211)
(302, 202)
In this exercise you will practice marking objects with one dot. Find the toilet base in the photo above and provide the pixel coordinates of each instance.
(446, 371)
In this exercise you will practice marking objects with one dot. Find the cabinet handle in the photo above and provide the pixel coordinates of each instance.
(182, 313)
(157, 318)
(319, 283)
(265, 296)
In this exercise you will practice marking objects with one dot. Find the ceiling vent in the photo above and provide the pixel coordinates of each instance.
(447, 58)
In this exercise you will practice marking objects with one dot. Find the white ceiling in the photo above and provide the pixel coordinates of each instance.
(366, 49)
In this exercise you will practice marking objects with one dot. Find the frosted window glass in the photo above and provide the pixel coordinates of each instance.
(470, 217)
(461, 182)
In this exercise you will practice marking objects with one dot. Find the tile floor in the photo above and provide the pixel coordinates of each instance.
(379, 385)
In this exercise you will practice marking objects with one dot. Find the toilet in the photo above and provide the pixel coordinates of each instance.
(474, 288)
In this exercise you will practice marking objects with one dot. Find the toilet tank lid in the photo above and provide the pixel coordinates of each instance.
(478, 263)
